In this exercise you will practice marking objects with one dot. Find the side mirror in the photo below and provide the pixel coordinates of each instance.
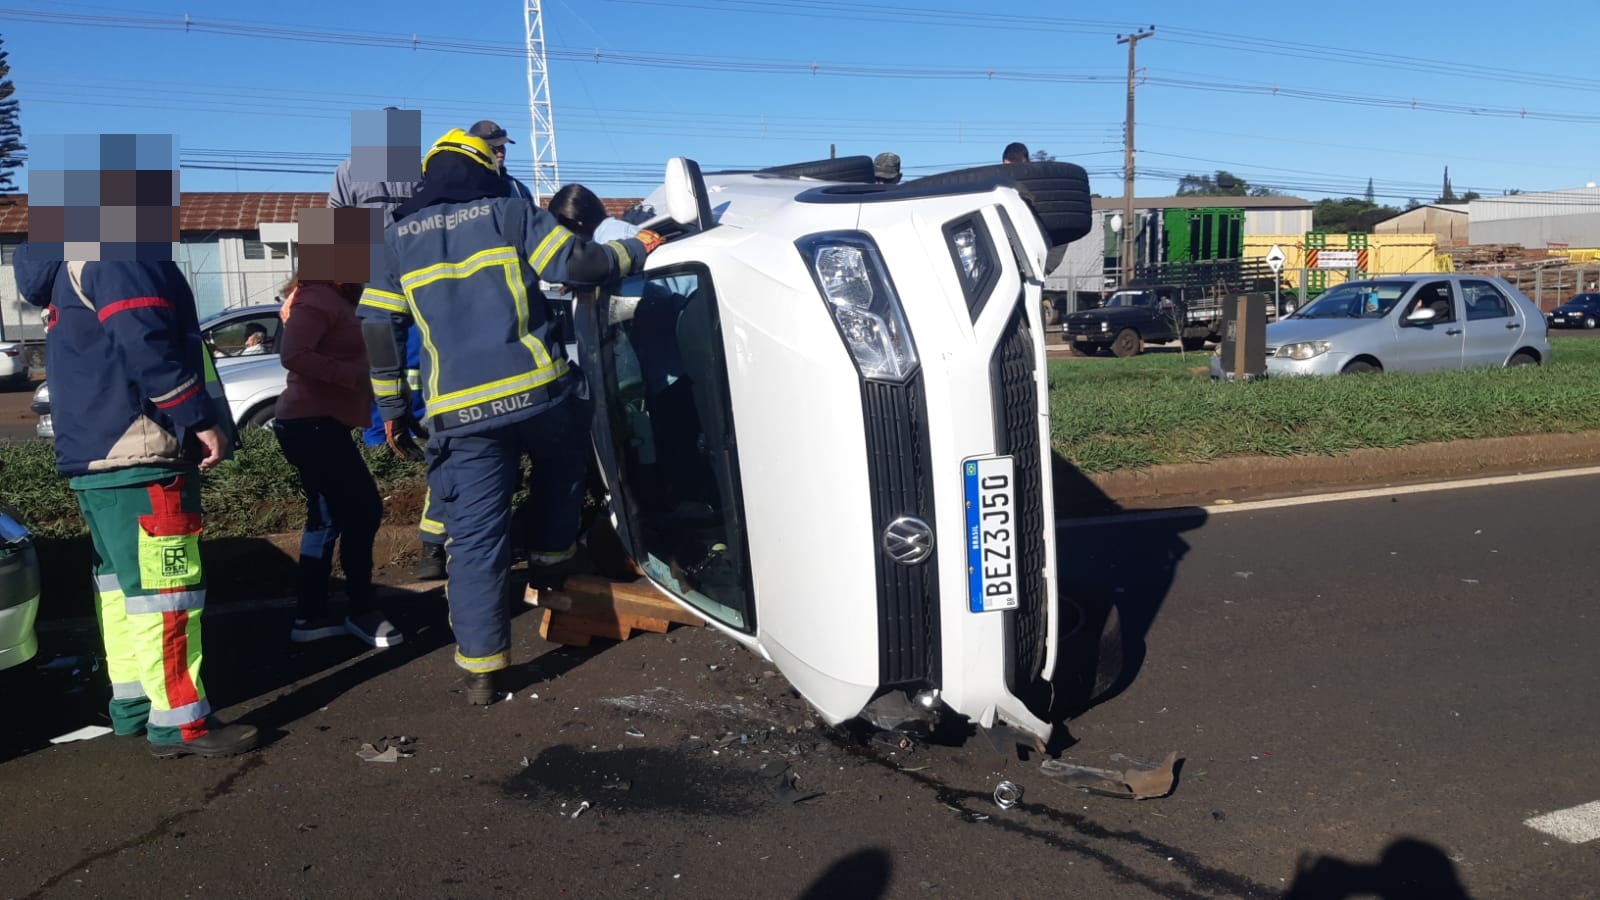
(687, 201)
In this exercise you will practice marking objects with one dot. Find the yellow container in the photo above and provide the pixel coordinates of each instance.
(1387, 254)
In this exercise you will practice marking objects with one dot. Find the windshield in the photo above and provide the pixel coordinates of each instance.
(671, 418)
(1129, 299)
(1361, 300)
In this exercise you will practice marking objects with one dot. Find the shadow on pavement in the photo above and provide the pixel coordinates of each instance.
(863, 875)
(1410, 869)
(1114, 578)
(248, 657)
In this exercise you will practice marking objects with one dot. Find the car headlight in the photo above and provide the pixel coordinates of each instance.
(1104, 325)
(852, 278)
(1303, 350)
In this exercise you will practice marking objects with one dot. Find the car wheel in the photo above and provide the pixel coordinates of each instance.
(1126, 344)
(1523, 358)
(1058, 193)
(1080, 349)
(1193, 343)
(262, 416)
(1589, 322)
(1362, 367)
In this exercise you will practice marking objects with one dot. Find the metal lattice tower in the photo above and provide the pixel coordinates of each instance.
(546, 174)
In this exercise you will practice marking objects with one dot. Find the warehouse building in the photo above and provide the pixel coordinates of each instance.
(1559, 220)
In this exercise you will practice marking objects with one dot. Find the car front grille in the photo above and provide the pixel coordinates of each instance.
(1016, 403)
(1084, 328)
(901, 479)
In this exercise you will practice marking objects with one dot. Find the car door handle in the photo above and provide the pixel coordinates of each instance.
(1512, 326)
(1453, 331)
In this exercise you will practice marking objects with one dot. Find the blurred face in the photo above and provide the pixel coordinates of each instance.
(500, 155)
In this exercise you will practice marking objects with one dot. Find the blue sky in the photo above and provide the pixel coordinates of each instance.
(944, 84)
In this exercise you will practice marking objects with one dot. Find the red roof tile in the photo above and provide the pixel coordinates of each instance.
(216, 211)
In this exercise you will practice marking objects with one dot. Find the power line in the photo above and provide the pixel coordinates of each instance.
(734, 64)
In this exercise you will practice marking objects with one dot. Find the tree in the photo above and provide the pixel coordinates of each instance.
(10, 126)
(1219, 184)
(1041, 156)
(1371, 196)
(1348, 214)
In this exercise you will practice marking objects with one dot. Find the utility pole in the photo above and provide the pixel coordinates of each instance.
(1126, 240)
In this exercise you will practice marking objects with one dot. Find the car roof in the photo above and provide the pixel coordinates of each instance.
(239, 312)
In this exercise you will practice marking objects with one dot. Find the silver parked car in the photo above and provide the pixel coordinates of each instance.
(1410, 323)
(249, 368)
(19, 590)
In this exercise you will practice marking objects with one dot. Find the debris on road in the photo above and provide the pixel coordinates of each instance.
(370, 753)
(392, 750)
(1141, 781)
(579, 811)
(86, 733)
(1007, 795)
(634, 732)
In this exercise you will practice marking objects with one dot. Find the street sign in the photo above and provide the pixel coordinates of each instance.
(1275, 258)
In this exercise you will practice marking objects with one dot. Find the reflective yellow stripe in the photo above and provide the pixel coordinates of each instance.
(386, 387)
(496, 390)
(483, 663)
(624, 261)
(376, 299)
(519, 299)
(429, 526)
(424, 276)
(546, 251)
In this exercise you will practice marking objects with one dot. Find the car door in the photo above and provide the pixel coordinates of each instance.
(654, 363)
(1494, 325)
(1432, 345)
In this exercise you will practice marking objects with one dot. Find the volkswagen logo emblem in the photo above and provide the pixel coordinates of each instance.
(908, 541)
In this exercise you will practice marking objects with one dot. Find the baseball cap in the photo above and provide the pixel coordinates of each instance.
(886, 165)
(490, 132)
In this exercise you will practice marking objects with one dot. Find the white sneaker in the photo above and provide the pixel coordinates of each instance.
(374, 629)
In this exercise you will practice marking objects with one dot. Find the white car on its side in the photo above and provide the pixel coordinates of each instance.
(822, 417)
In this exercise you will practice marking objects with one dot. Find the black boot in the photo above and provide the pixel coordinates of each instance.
(481, 688)
(430, 565)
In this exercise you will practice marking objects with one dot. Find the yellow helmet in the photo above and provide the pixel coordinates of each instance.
(457, 141)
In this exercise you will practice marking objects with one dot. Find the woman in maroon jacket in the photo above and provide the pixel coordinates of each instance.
(328, 395)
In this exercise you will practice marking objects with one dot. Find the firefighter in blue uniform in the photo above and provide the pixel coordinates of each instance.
(463, 261)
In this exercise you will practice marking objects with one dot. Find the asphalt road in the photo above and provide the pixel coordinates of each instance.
(1368, 696)
(16, 420)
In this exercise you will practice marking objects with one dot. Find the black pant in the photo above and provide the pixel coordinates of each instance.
(341, 502)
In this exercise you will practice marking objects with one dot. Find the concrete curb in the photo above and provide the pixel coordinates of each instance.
(1260, 476)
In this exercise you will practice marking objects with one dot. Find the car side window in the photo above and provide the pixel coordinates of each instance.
(1484, 301)
(250, 336)
(1436, 296)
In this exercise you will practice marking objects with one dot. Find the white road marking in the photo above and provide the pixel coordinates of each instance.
(1578, 825)
(1333, 497)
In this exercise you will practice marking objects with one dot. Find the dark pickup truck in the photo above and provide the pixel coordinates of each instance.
(1135, 316)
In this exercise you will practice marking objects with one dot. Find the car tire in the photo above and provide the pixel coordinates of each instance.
(852, 169)
(1080, 349)
(1522, 358)
(1192, 344)
(1361, 367)
(1127, 343)
(1057, 192)
(1589, 322)
(262, 416)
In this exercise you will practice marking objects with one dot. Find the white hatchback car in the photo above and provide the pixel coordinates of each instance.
(252, 378)
(822, 416)
(13, 365)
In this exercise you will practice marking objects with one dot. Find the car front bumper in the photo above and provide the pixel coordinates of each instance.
(19, 604)
(1277, 367)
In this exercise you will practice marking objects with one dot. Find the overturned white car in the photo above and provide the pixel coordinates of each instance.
(822, 418)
